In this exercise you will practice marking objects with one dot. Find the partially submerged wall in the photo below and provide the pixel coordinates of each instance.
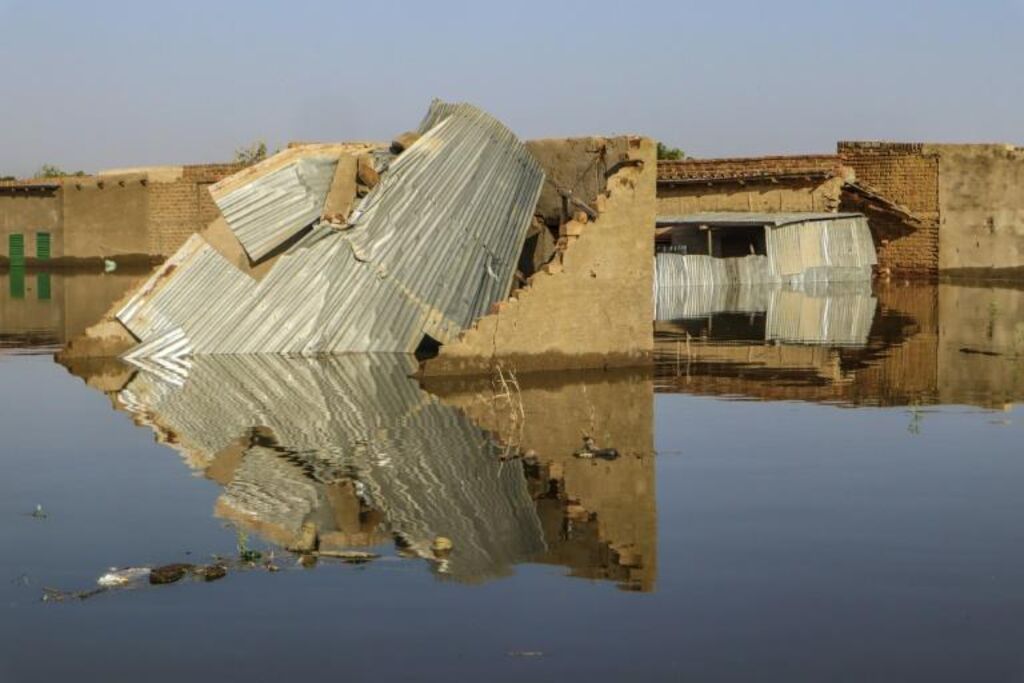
(592, 306)
(981, 208)
(127, 215)
(28, 210)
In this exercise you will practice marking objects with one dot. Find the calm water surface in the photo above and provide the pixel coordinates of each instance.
(822, 488)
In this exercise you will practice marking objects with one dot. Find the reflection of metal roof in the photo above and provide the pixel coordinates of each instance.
(421, 463)
(430, 249)
(745, 218)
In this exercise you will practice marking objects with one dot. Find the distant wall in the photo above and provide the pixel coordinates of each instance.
(28, 212)
(593, 305)
(131, 214)
(105, 217)
(763, 184)
(981, 207)
(908, 175)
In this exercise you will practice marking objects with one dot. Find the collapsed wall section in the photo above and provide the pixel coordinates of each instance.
(592, 304)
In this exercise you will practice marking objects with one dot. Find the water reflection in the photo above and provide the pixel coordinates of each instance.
(354, 446)
(41, 309)
(921, 344)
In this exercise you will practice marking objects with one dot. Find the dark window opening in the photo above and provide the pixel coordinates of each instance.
(738, 241)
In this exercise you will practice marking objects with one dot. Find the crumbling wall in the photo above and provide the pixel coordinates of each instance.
(907, 174)
(592, 306)
(762, 184)
(981, 208)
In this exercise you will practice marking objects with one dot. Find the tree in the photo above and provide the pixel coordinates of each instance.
(51, 171)
(666, 153)
(253, 154)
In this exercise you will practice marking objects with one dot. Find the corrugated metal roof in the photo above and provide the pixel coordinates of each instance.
(430, 249)
(266, 212)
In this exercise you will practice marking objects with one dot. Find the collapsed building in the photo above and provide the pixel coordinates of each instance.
(433, 240)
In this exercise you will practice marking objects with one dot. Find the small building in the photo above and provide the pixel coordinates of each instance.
(718, 248)
(130, 215)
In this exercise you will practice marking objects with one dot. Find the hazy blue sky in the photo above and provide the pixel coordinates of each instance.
(108, 83)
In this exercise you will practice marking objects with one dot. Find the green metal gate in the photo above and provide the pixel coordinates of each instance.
(16, 249)
(42, 245)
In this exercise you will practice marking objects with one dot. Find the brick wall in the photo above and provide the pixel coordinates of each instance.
(747, 167)
(183, 206)
(906, 174)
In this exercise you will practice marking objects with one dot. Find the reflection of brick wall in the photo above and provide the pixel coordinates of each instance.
(181, 207)
(905, 174)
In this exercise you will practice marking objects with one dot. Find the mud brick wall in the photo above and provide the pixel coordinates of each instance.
(762, 184)
(181, 206)
(592, 306)
(907, 174)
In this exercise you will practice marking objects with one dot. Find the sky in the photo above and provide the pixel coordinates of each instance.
(107, 84)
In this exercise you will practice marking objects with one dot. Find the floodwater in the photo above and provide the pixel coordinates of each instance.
(810, 488)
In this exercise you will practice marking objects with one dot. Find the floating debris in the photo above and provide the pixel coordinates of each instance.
(211, 572)
(118, 578)
(38, 513)
(441, 546)
(169, 573)
(349, 556)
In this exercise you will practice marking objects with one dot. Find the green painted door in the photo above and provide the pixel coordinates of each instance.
(17, 280)
(43, 286)
(16, 249)
(42, 245)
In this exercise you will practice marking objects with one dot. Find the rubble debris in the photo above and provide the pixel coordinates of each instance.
(404, 141)
(426, 252)
(169, 573)
(118, 578)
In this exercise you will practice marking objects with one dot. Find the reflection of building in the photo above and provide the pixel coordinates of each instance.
(926, 345)
(599, 517)
(834, 314)
(352, 445)
(39, 308)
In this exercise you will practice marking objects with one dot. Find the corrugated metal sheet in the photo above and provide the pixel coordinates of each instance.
(359, 417)
(270, 210)
(824, 247)
(432, 247)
